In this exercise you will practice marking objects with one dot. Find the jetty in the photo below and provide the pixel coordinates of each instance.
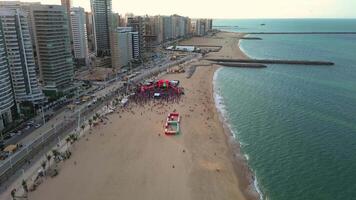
(241, 65)
(271, 61)
(248, 38)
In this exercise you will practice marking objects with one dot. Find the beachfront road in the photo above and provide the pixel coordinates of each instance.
(66, 117)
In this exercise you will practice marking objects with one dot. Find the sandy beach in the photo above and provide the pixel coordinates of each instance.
(129, 157)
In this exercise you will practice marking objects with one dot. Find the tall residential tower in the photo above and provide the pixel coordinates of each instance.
(20, 56)
(6, 94)
(79, 35)
(102, 13)
(51, 31)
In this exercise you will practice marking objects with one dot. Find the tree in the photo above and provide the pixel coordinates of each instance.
(24, 186)
(90, 122)
(49, 157)
(68, 141)
(43, 165)
(55, 153)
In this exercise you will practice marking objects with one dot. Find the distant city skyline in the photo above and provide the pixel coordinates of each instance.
(231, 8)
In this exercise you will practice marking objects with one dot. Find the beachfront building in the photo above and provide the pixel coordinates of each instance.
(6, 92)
(167, 28)
(158, 29)
(79, 35)
(135, 45)
(90, 31)
(53, 48)
(68, 5)
(137, 24)
(20, 56)
(102, 13)
(24, 6)
(203, 26)
(123, 47)
(126, 47)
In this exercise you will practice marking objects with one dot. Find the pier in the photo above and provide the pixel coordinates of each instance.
(241, 65)
(248, 38)
(267, 61)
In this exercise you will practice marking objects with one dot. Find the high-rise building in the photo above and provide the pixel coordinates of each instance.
(102, 14)
(25, 6)
(209, 24)
(20, 56)
(137, 24)
(167, 28)
(79, 35)
(126, 47)
(158, 29)
(68, 5)
(53, 49)
(123, 47)
(203, 26)
(135, 45)
(90, 31)
(6, 92)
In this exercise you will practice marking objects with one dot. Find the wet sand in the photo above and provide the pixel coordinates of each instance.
(131, 158)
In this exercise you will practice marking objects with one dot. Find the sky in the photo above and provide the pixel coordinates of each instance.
(232, 9)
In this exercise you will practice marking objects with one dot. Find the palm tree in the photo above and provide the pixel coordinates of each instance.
(55, 153)
(43, 165)
(24, 186)
(68, 141)
(90, 122)
(49, 157)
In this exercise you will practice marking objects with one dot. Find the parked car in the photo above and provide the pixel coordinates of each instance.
(3, 155)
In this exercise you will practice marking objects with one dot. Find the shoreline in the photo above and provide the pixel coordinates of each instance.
(141, 159)
(240, 160)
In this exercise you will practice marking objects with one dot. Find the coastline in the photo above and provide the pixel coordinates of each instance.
(140, 164)
(242, 170)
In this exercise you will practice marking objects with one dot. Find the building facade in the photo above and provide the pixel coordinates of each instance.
(102, 14)
(53, 48)
(68, 5)
(79, 35)
(124, 47)
(137, 25)
(25, 6)
(20, 56)
(202, 26)
(6, 92)
(167, 28)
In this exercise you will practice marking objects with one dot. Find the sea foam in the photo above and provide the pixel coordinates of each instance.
(221, 107)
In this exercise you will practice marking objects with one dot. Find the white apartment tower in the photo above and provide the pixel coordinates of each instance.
(126, 46)
(25, 6)
(20, 56)
(79, 35)
(53, 48)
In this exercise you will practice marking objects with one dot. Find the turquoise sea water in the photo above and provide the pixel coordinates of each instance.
(296, 124)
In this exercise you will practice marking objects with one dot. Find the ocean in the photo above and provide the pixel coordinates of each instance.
(296, 124)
